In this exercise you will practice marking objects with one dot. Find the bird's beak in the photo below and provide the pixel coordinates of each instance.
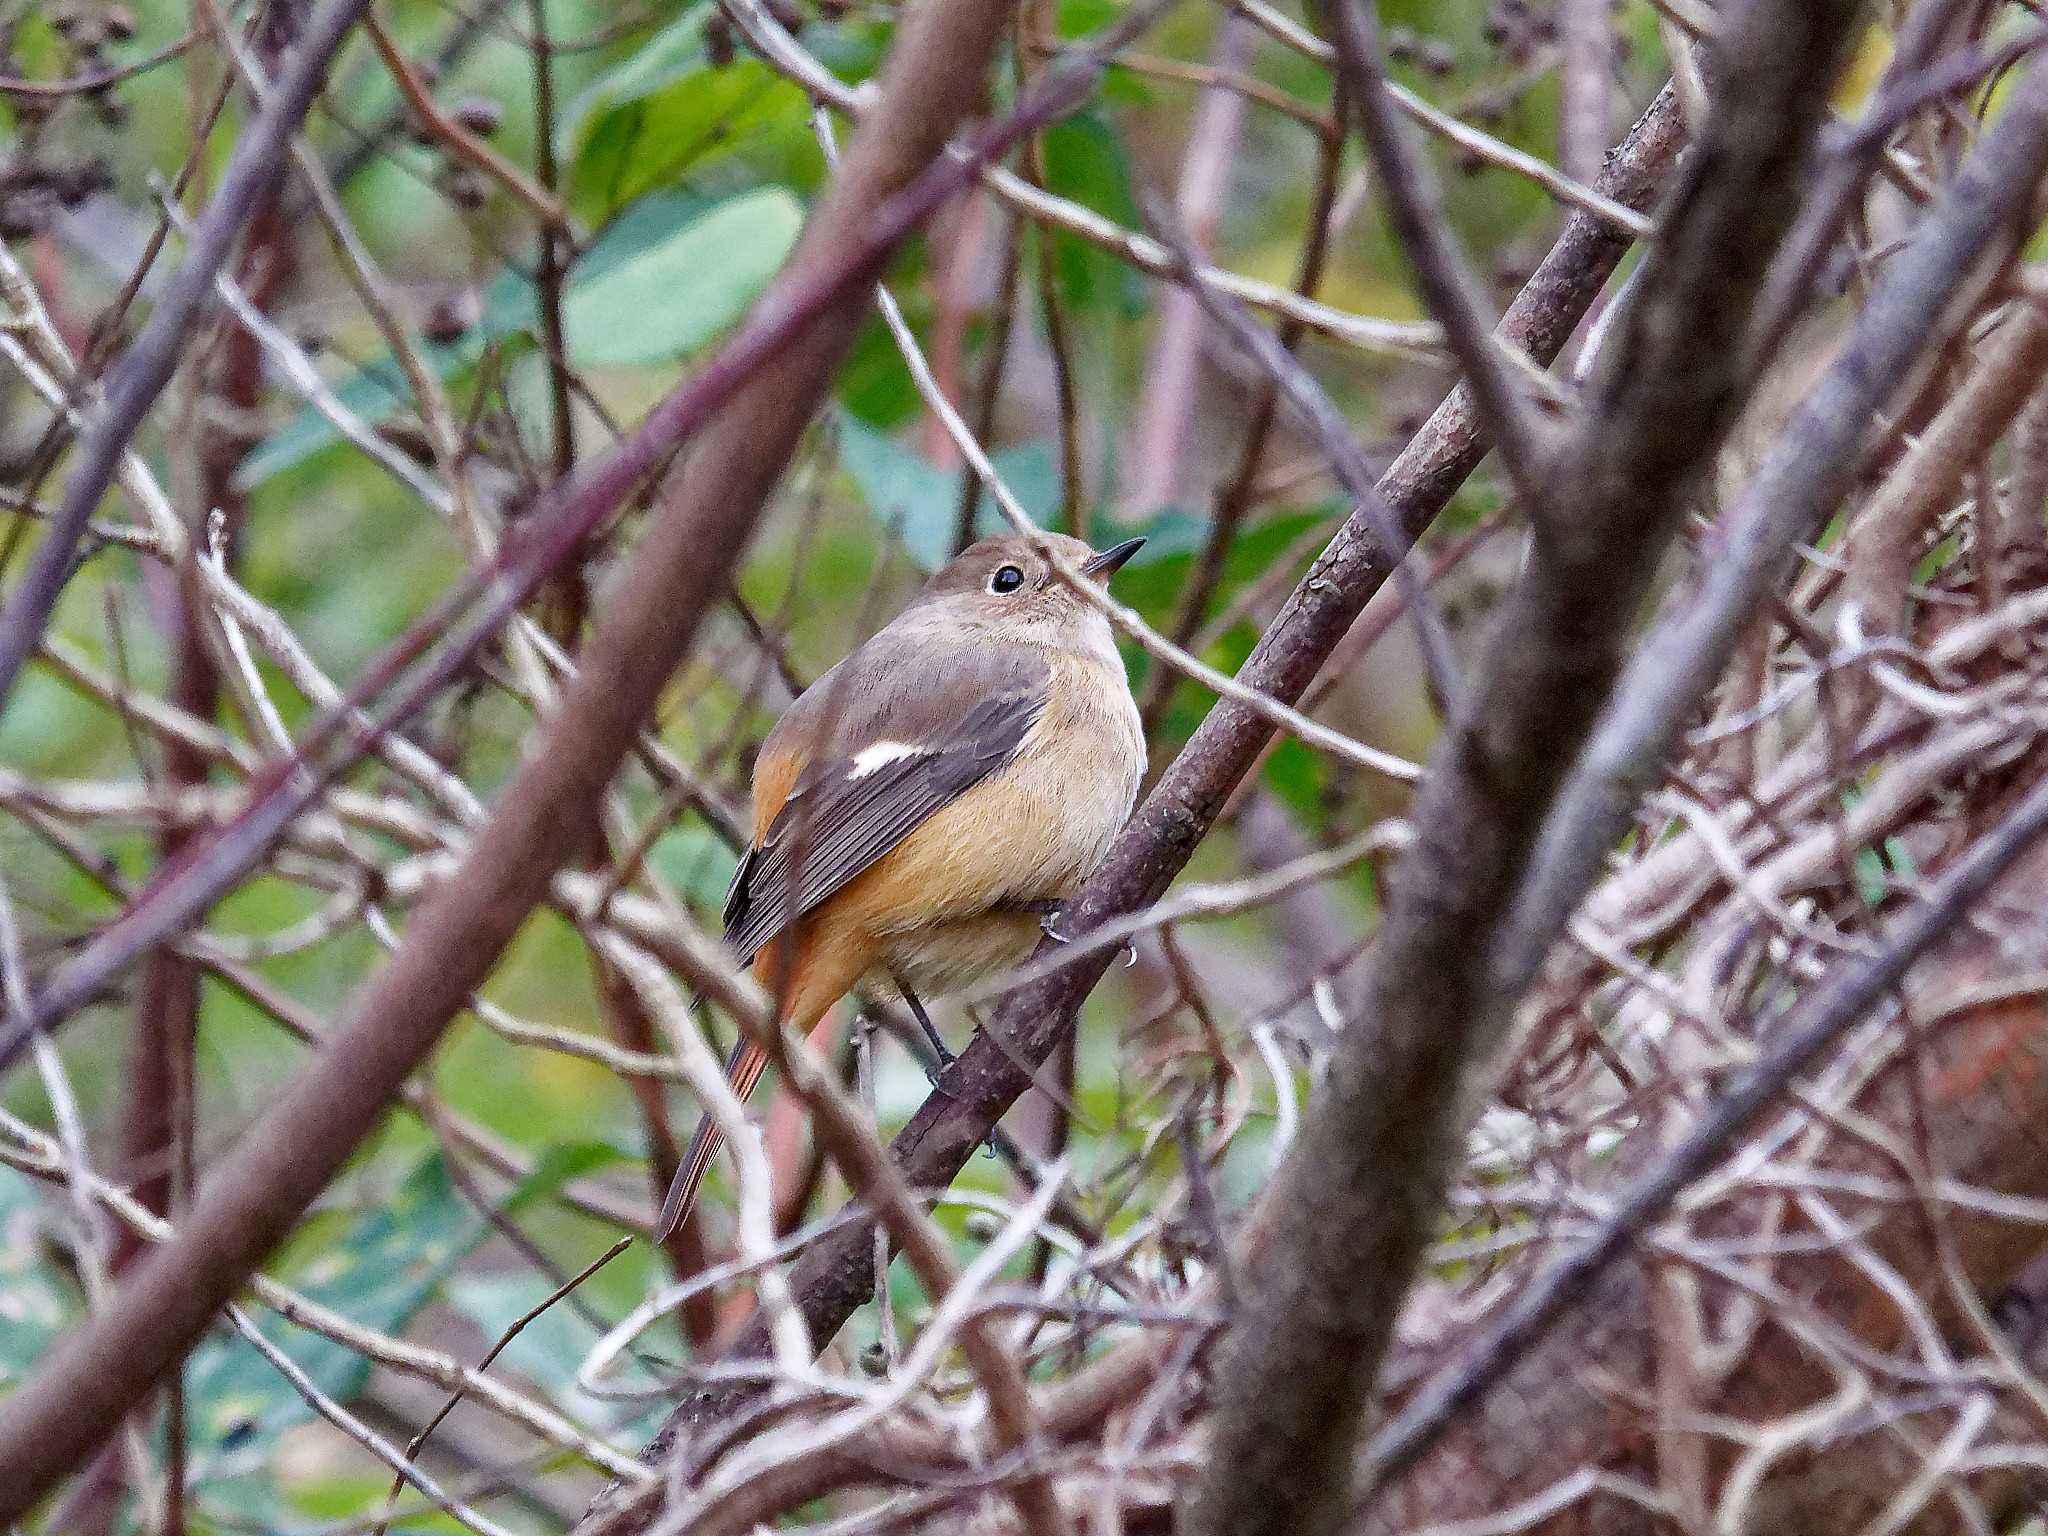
(1106, 562)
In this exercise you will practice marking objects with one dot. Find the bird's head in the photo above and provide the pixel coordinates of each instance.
(1005, 585)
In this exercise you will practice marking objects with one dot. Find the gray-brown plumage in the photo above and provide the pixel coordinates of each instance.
(960, 772)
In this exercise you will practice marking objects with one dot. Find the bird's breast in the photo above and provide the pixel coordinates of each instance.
(948, 956)
(1069, 789)
(1033, 831)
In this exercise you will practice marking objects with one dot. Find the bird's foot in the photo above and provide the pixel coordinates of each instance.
(944, 1057)
(933, 1074)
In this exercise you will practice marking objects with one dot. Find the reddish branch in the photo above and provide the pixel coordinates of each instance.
(159, 1065)
(677, 570)
(1360, 1193)
(157, 1128)
(836, 1275)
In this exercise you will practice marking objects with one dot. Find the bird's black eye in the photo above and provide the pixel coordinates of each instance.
(1008, 578)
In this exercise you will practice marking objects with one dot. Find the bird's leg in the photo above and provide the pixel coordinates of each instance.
(924, 1023)
(946, 1057)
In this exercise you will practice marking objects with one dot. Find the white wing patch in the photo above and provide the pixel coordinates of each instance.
(868, 759)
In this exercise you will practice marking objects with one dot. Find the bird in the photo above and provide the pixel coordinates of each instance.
(924, 809)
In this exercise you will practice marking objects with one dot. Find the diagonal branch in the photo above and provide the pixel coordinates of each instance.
(932, 81)
(149, 362)
(836, 1275)
(1347, 1217)
(1325, 424)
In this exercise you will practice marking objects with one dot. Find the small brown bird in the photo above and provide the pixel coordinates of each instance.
(925, 804)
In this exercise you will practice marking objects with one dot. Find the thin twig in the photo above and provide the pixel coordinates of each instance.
(358, 1431)
(1448, 286)
(533, 196)
(149, 361)
(1815, 1024)
(1326, 424)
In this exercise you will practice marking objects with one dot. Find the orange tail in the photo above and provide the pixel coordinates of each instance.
(821, 971)
(743, 1070)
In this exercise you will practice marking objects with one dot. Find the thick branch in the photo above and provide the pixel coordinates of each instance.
(1360, 1192)
(680, 567)
(836, 1275)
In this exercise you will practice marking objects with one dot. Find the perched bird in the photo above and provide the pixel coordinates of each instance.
(928, 802)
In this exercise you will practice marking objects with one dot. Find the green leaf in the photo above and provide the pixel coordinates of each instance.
(640, 228)
(1075, 19)
(741, 125)
(1171, 533)
(549, 1349)
(561, 1162)
(1296, 775)
(35, 1303)
(378, 391)
(673, 54)
(1085, 161)
(920, 502)
(695, 860)
(552, 1347)
(379, 1270)
(676, 293)
(669, 111)
(668, 244)
(1874, 870)
(1154, 581)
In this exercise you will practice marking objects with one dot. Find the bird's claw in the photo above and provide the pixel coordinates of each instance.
(1049, 915)
(932, 1074)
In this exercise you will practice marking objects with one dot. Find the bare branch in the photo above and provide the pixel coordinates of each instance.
(1351, 1209)
(932, 81)
(149, 362)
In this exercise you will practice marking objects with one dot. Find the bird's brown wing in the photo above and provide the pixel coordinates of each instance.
(910, 725)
